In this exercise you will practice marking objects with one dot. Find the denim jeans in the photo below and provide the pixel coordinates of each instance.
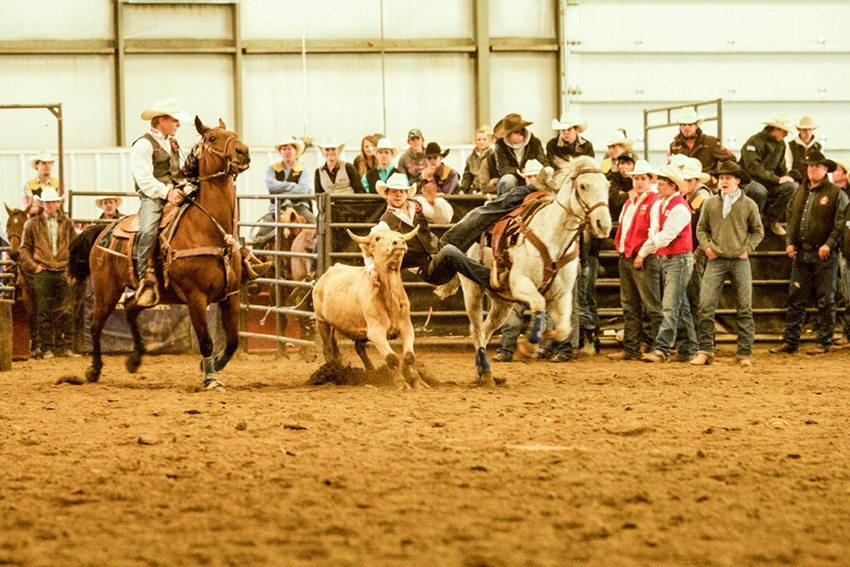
(470, 228)
(506, 184)
(675, 274)
(150, 214)
(589, 316)
(740, 273)
(844, 287)
(512, 329)
(450, 261)
(773, 201)
(53, 320)
(812, 276)
(640, 292)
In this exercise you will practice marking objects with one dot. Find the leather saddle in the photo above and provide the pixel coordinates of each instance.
(129, 225)
(503, 233)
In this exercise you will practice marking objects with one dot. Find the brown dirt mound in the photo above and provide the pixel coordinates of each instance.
(336, 373)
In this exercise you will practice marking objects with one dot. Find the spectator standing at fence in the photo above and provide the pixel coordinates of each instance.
(290, 176)
(671, 241)
(839, 177)
(414, 160)
(367, 159)
(385, 152)
(44, 251)
(729, 230)
(438, 173)
(472, 181)
(620, 182)
(43, 165)
(800, 147)
(336, 177)
(568, 143)
(695, 195)
(618, 144)
(109, 206)
(763, 158)
(691, 141)
(640, 284)
(515, 146)
(815, 227)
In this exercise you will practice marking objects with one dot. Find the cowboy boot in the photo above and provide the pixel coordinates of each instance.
(148, 293)
(252, 267)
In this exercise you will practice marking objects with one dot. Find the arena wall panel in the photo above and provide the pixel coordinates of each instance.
(34, 19)
(211, 21)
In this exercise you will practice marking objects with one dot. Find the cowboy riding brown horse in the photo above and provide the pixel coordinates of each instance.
(198, 261)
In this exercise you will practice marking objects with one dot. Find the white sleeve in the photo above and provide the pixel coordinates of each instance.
(648, 247)
(680, 217)
(439, 213)
(141, 160)
(367, 260)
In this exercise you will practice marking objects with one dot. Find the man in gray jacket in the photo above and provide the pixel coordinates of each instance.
(729, 229)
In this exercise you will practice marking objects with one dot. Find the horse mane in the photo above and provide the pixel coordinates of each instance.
(564, 168)
(192, 165)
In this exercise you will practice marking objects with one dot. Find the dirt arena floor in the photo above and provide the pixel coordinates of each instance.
(587, 463)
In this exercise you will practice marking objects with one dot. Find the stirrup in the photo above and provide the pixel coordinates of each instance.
(147, 285)
(252, 267)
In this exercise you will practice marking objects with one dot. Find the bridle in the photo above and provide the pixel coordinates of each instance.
(220, 153)
(585, 208)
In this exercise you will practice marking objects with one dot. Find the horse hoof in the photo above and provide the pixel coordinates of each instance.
(214, 384)
(92, 374)
(486, 380)
(133, 363)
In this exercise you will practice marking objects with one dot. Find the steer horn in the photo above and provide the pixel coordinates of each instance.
(411, 234)
(355, 238)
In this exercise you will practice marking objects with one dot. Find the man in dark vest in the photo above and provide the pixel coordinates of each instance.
(815, 225)
(156, 159)
(290, 177)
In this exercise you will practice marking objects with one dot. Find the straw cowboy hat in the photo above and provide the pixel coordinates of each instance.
(532, 167)
(509, 124)
(100, 200)
(48, 195)
(291, 141)
(642, 167)
(688, 115)
(679, 160)
(674, 174)
(693, 170)
(331, 142)
(43, 155)
(817, 158)
(395, 181)
(433, 149)
(779, 120)
(732, 168)
(844, 163)
(386, 144)
(167, 107)
(569, 120)
(618, 137)
(806, 123)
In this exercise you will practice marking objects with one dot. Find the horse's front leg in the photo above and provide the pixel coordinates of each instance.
(473, 299)
(229, 311)
(197, 303)
(525, 290)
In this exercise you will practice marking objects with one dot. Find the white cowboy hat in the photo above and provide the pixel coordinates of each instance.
(688, 115)
(48, 195)
(806, 123)
(844, 163)
(43, 155)
(779, 120)
(679, 160)
(396, 181)
(618, 137)
(386, 144)
(168, 107)
(569, 120)
(331, 142)
(642, 167)
(291, 141)
(100, 200)
(674, 174)
(532, 167)
(693, 170)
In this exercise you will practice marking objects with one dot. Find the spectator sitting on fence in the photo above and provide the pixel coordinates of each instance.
(109, 206)
(489, 172)
(438, 173)
(385, 151)
(691, 141)
(336, 177)
(366, 159)
(471, 181)
(800, 147)
(413, 161)
(568, 143)
(43, 164)
(515, 146)
(620, 182)
(618, 143)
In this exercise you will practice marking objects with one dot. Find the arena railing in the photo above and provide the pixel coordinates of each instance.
(7, 276)
(669, 121)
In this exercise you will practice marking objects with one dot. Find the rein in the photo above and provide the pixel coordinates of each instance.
(220, 153)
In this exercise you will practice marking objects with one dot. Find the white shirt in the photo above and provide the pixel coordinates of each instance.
(677, 220)
(141, 161)
(627, 216)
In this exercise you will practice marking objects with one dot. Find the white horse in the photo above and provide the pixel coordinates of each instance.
(544, 259)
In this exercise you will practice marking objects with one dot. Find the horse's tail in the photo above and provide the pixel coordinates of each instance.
(80, 249)
(448, 289)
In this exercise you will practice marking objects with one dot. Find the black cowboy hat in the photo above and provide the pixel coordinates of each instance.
(815, 158)
(627, 155)
(433, 150)
(732, 168)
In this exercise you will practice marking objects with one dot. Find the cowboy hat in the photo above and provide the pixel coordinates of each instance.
(679, 160)
(817, 158)
(688, 115)
(569, 120)
(627, 155)
(386, 144)
(617, 137)
(511, 123)
(693, 170)
(674, 174)
(779, 120)
(167, 107)
(532, 167)
(395, 181)
(806, 123)
(331, 142)
(100, 200)
(732, 168)
(844, 163)
(291, 141)
(642, 167)
(48, 195)
(433, 150)
(43, 155)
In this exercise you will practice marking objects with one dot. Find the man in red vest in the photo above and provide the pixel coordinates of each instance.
(640, 286)
(671, 242)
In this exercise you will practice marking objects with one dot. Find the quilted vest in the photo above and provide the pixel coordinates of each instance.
(419, 249)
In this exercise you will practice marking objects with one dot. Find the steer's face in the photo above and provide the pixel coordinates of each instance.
(388, 248)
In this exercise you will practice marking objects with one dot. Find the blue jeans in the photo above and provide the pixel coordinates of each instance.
(470, 228)
(450, 261)
(53, 321)
(589, 316)
(738, 270)
(640, 291)
(506, 184)
(772, 201)
(150, 214)
(812, 276)
(512, 329)
(675, 274)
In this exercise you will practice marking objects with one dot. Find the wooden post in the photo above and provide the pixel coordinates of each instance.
(5, 336)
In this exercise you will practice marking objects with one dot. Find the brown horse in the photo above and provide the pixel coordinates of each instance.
(201, 264)
(23, 281)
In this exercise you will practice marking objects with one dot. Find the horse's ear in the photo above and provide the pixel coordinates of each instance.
(8, 210)
(199, 126)
(221, 124)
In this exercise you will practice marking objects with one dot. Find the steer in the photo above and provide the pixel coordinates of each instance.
(346, 301)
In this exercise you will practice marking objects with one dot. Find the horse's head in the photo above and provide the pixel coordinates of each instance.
(15, 228)
(290, 216)
(220, 150)
(581, 188)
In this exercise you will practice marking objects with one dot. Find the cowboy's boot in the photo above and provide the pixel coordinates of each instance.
(252, 267)
(148, 293)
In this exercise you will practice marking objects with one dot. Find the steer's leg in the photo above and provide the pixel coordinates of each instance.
(408, 363)
(329, 346)
(360, 349)
(378, 335)
(473, 298)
